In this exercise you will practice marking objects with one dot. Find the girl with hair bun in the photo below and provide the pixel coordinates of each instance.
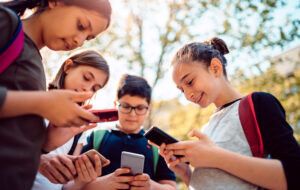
(221, 155)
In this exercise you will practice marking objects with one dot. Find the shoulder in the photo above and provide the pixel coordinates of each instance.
(8, 25)
(267, 103)
(264, 96)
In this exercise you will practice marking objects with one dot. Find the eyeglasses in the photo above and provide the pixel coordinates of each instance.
(139, 110)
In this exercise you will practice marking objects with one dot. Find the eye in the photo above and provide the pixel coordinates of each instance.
(96, 88)
(141, 108)
(190, 82)
(86, 78)
(80, 26)
(126, 106)
(90, 37)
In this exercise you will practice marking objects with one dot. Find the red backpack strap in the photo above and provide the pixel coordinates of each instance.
(13, 48)
(250, 126)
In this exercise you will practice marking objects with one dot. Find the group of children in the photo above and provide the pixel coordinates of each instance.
(220, 156)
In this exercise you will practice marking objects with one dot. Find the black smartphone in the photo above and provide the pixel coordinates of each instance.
(158, 136)
(106, 115)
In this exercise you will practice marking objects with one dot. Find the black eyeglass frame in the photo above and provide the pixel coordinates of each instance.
(132, 108)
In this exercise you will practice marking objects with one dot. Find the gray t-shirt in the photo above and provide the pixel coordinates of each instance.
(21, 138)
(224, 128)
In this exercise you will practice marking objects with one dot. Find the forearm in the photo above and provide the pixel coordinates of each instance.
(163, 184)
(22, 102)
(72, 185)
(267, 173)
(185, 176)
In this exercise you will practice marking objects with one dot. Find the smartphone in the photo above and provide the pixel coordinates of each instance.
(158, 136)
(133, 161)
(90, 154)
(106, 115)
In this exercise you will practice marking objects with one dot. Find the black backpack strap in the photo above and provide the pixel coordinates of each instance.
(76, 139)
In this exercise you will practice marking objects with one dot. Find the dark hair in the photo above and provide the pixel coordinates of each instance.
(134, 86)
(101, 6)
(203, 52)
(88, 58)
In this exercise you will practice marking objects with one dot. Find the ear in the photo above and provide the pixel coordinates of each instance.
(216, 67)
(68, 65)
(115, 104)
(55, 3)
(148, 110)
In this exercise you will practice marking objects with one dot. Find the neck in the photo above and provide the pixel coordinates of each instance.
(129, 131)
(32, 27)
(227, 95)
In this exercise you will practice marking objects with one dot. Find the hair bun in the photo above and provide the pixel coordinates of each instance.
(219, 45)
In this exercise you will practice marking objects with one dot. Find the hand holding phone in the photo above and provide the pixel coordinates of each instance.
(106, 115)
(133, 161)
(158, 136)
(90, 154)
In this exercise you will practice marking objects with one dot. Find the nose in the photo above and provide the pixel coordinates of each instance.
(87, 88)
(189, 95)
(132, 112)
(79, 39)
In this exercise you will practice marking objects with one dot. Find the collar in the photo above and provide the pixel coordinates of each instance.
(120, 133)
(228, 104)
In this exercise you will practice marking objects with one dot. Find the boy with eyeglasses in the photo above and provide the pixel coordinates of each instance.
(133, 104)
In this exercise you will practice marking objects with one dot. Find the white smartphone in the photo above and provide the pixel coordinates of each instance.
(133, 161)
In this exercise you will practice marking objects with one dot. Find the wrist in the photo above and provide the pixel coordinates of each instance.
(218, 160)
(187, 175)
(40, 99)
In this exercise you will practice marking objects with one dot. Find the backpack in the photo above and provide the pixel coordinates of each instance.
(250, 126)
(75, 142)
(99, 136)
(13, 49)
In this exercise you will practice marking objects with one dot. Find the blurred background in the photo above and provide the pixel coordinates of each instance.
(262, 35)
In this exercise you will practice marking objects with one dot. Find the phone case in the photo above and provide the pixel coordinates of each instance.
(106, 115)
(133, 161)
(158, 136)
(91, 154)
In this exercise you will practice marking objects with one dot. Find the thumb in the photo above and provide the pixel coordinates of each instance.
(106, 163)
(196, 133)
(71, 157)
(87, 127)
(81, 96)
(87, 107)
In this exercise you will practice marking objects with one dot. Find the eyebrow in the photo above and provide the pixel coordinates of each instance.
(186, 75)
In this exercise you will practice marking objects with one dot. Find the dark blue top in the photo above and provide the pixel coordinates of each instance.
(115, 141)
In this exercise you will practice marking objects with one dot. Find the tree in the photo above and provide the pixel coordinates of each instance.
(145, 33)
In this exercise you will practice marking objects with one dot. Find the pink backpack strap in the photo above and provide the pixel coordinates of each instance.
(13, 49)
(250, 126)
